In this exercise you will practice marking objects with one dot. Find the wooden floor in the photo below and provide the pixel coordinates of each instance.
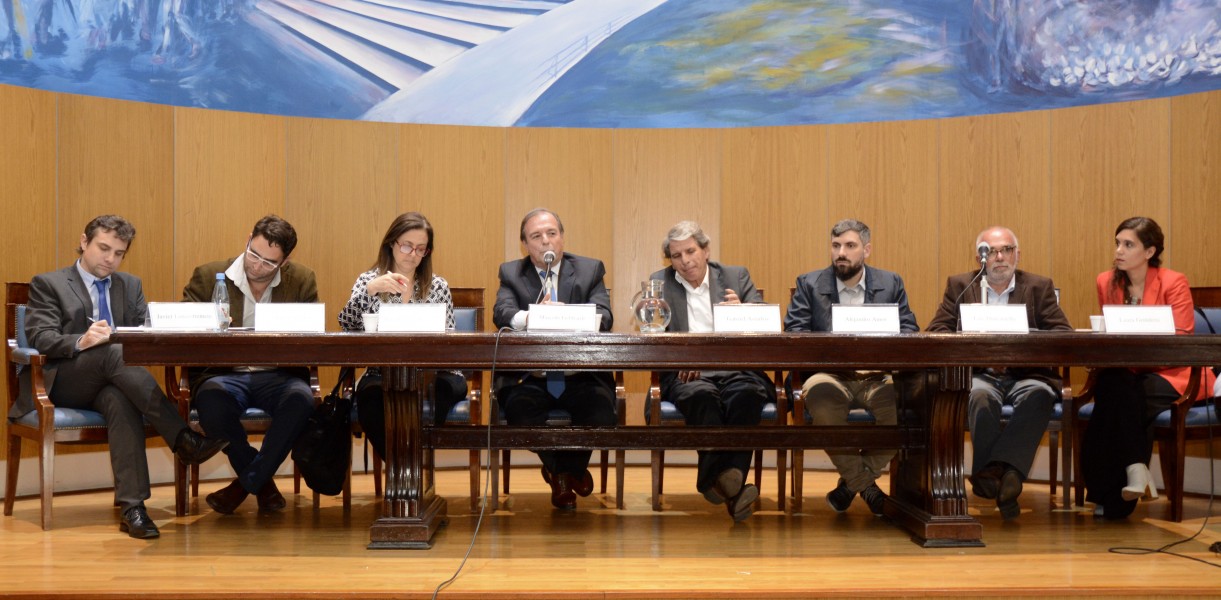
(691, 550)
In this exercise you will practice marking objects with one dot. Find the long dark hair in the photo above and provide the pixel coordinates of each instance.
(385, 254)
(1150, 235)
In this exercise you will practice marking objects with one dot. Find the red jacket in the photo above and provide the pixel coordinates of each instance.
(1163, 286)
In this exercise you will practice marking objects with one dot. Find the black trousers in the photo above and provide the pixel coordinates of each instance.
(717, 399)
(588, 397)
(1120, 433)
(448, 389)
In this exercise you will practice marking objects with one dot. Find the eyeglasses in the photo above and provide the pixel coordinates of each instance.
(254, 256)
(1006, 250)
(408, 249)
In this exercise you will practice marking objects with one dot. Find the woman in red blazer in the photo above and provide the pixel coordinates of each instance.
(1119, 441)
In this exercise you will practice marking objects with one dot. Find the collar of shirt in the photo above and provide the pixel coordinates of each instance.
(699, 304)
(555, 268)
(855, 294)
(1003, 297)
(237, 273)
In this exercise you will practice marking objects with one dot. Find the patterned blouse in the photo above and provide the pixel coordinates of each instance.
(351, 318)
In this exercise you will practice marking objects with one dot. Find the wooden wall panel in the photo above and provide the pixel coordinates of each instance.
(229, 173)
(661, 177)
(885, 174)
(994, 171)
(343, 185)
(774, 207)
(1108, 163)
(569, 172)
(455, 176)
(1195, 179)
(118, 157)
(27, 169)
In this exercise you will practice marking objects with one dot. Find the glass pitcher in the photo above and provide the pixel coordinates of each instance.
(649, 307)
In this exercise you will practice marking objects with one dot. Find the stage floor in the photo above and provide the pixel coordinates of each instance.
(527, 550)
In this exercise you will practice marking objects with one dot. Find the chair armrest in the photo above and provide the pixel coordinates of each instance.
(620, 399)
(178, 388)
(654, 399)
(25, 356)
(314, 386)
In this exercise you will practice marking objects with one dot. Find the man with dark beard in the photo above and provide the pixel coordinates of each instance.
(830, 395)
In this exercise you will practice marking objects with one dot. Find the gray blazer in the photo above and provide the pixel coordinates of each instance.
(58, 314)
(720, 277)
(816, 291)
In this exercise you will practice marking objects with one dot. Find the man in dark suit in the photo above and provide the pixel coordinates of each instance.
(693, 284)
(261, 274)
(527, 397)
(1002, 457)
(830, 396)
(71, 314)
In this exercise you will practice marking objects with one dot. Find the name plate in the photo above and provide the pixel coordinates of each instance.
(563, 317)
(746, 318)
(417, 318)
(296, 317)
(1122, 318)
(865, 318)
(994, 318)
(183, 316)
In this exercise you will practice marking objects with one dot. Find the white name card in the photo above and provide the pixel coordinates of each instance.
(183, 316)
(1122, 318)
(994, 318)
(865, 318)
(420, 318)
(290, 317)
(746, 318)
(563, 317)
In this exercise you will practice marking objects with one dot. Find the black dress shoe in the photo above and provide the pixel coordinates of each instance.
(192, 448)
(136, 523)
(1007, 494)
(562, 495)
(987, 482)
(227, 499)
(270, 498)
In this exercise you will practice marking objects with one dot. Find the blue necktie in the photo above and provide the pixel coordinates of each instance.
(555, 379)
(103, 301)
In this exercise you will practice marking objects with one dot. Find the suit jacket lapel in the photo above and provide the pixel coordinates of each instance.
(118, 297)
(1153, 286)
(676, 296)
(716, 288)
(77, 285)
(567, 281)
(530, 281)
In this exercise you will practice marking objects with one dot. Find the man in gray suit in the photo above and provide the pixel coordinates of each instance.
(527, 398)
(693, 284)
(71, 314)
(830, 396)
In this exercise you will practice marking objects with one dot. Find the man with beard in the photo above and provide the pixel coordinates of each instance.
(261, 274)
(1002, 456)
(831, 395)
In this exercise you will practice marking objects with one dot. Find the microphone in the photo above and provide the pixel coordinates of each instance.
(548, 284)
(983, 250)
(548, 258)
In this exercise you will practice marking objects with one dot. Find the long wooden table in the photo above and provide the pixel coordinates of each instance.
(928, 493)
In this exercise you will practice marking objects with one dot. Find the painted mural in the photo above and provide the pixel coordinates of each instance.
(615, 63)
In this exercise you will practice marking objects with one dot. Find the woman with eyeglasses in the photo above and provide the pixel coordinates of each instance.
(402, 273)
(1119, 440)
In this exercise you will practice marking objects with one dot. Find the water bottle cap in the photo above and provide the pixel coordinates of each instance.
(220, 276)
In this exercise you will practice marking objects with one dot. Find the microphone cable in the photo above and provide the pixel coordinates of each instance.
(958, 313)
(1216, 546)
(483, 506)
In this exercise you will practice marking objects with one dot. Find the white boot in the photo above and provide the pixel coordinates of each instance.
(1139, 480)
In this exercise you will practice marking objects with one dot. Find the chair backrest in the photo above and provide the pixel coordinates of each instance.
(470, 299)
(1208, 321)
(16, 295)
(1206, 296)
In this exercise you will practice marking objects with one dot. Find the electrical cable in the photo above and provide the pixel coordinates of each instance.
(483, 506)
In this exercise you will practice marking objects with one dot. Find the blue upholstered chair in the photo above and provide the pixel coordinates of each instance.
(1186, 420)
(47, 425)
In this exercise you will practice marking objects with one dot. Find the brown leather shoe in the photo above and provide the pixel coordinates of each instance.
(562, 495)
(270, 498)
(227, 499)
(582, 483)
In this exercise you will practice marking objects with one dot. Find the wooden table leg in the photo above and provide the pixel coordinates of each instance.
(928, 491)
(411, 510)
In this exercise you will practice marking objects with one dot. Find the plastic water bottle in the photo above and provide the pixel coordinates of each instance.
(220, 297)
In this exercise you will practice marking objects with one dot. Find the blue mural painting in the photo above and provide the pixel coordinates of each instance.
(615, 63)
